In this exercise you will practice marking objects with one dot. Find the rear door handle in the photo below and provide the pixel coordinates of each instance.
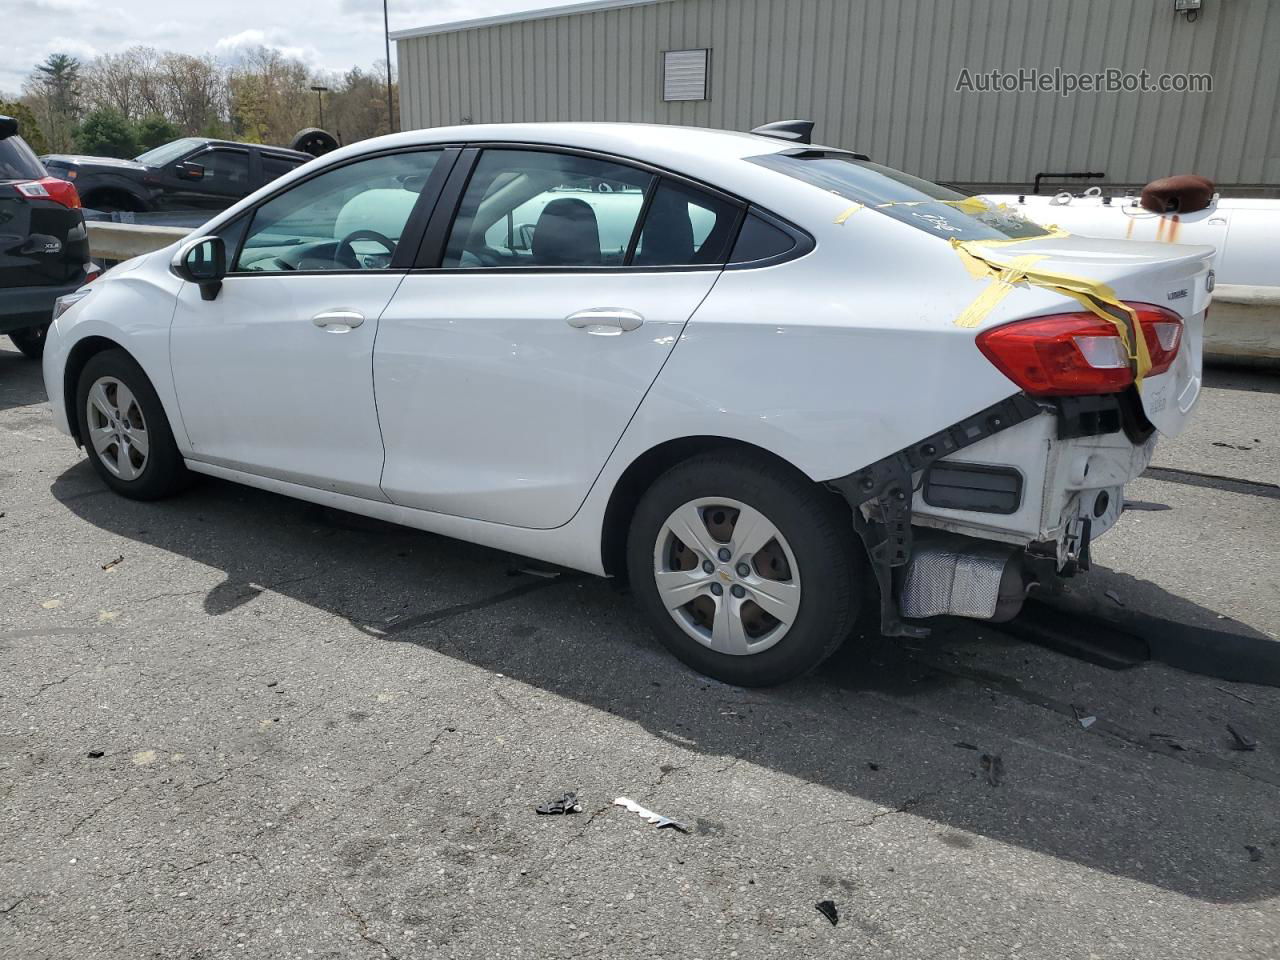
(338, 321)
(609, 321)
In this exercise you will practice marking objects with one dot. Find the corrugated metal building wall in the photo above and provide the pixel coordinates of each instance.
(880, 76)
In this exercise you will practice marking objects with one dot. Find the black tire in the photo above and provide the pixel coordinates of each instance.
(162, 472)
(818, 530)
(314, 141)
(30, 340)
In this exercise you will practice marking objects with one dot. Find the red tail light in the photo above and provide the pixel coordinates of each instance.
(1078, 353)
(51, 188)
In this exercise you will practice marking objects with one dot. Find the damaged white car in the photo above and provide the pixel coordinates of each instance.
(769, 382)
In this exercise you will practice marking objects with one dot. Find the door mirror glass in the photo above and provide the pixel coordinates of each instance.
(202, 261)
(189, 171)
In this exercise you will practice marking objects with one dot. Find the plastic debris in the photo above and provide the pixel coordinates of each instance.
(568, 803)
(1168, 740)
(964, 746)
(656, 819)
(1255, 853)
(1112, 595)
(994, 768)
(111, 563)
(828, 909)
(1232, 693)
(1240, 741)
(96, 754)
(1085, 722)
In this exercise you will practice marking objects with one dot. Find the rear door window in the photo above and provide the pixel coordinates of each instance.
(684, 226)
(18, 161)
(919, 203)
(274, 166)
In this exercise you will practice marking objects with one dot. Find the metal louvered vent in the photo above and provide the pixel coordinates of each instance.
(684, 74)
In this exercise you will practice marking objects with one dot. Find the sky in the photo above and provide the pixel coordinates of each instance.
(324, 34)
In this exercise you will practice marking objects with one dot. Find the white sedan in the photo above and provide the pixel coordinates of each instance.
(771, 383)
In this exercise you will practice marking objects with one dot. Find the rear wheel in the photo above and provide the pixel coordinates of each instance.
(125, 429)
(747, 570)
(30, 341)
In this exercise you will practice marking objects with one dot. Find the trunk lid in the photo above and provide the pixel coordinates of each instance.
(1173, 276)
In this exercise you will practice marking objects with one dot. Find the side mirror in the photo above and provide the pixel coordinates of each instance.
(189, 171)
(202, 261)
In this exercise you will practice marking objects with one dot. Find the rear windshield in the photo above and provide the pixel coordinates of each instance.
(17, 161)
(920, 203)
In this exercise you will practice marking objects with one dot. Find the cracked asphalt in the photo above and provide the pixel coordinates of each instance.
(270, 730)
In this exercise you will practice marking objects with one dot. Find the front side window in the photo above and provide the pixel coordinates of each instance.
(225, 170)
(527, 208)
(919, 203)
(348, 218)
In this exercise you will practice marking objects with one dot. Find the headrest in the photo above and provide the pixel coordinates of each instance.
(566, 234)
(1185, 193)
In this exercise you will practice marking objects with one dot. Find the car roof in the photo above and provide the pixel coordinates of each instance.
(212, 142)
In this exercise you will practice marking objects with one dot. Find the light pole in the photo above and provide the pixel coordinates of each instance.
(320, 92)
(386, 34)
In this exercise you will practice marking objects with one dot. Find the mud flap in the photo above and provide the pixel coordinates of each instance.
(887, 485)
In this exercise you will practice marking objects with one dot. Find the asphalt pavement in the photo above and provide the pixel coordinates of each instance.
(236, 725)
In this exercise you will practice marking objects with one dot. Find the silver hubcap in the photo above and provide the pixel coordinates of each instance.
(727, 576)
(117, 430)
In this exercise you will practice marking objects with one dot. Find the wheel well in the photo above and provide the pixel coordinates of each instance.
(121, 199)
(644, 470)
(76, 360)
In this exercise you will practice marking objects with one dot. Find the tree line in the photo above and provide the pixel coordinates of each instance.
(119, 104)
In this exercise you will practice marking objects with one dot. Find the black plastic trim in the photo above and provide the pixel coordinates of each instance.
(974, 487)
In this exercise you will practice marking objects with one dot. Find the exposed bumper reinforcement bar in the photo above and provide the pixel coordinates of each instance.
(887, 486)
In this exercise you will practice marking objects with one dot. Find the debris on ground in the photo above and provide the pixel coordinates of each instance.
(568, 803)
(111, 563)
(871, 765)
(1232, 446)
(1144, 505)
(1232, 693)
(96, 754)
(828, 909)
(1168, 740)
(656, 819)
(1255, 853)
(994, 768)
(1112, 595)
(964, 746)
(1085, 721)
(1240, 741)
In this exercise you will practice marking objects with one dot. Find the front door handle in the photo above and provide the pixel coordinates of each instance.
(605, 320)
(338, 321)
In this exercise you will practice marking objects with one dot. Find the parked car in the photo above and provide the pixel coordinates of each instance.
(44, 250)
(194, 173)
(771, 383)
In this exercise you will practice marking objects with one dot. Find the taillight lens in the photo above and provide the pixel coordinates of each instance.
(51, 188)
(1078, 353)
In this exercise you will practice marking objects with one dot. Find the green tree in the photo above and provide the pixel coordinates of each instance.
(154, 130)
(106, 133)
(57, 80)
(28, 128)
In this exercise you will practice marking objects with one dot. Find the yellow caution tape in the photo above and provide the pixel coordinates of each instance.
(1097, 298)
(849, 213)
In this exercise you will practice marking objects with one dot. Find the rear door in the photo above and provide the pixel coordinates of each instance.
(509, 364)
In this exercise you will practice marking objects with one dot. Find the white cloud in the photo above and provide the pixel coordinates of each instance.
(324, 34)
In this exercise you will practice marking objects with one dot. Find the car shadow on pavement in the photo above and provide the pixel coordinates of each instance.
(912, 727)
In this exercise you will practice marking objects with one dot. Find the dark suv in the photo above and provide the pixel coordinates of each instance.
(44, 248)
(194, 173)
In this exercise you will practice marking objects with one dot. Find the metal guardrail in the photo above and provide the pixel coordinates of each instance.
(1243, 325)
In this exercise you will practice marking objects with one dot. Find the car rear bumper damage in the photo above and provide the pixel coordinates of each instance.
(961, 522)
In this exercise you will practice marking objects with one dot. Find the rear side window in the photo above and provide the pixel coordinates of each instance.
(760, 240)
(274, 166)
(920, 203)
(18, 161)
(684, 226)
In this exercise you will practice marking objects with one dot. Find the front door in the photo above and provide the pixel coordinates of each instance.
(274, 376)
(506, 375)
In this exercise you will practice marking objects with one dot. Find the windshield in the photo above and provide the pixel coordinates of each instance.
(919, 203)
(168, 152)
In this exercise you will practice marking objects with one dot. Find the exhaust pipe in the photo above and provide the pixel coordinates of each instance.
(962, 577)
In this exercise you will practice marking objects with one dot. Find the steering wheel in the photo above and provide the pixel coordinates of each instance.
(346, 254)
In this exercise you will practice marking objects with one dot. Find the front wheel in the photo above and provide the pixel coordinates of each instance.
(125, 430)
(748, 570)
(30, 340)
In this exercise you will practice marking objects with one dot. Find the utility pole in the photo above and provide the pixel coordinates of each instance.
(386, 33)
(320, 92)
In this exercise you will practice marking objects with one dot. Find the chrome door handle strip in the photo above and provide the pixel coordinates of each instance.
(615, 317)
